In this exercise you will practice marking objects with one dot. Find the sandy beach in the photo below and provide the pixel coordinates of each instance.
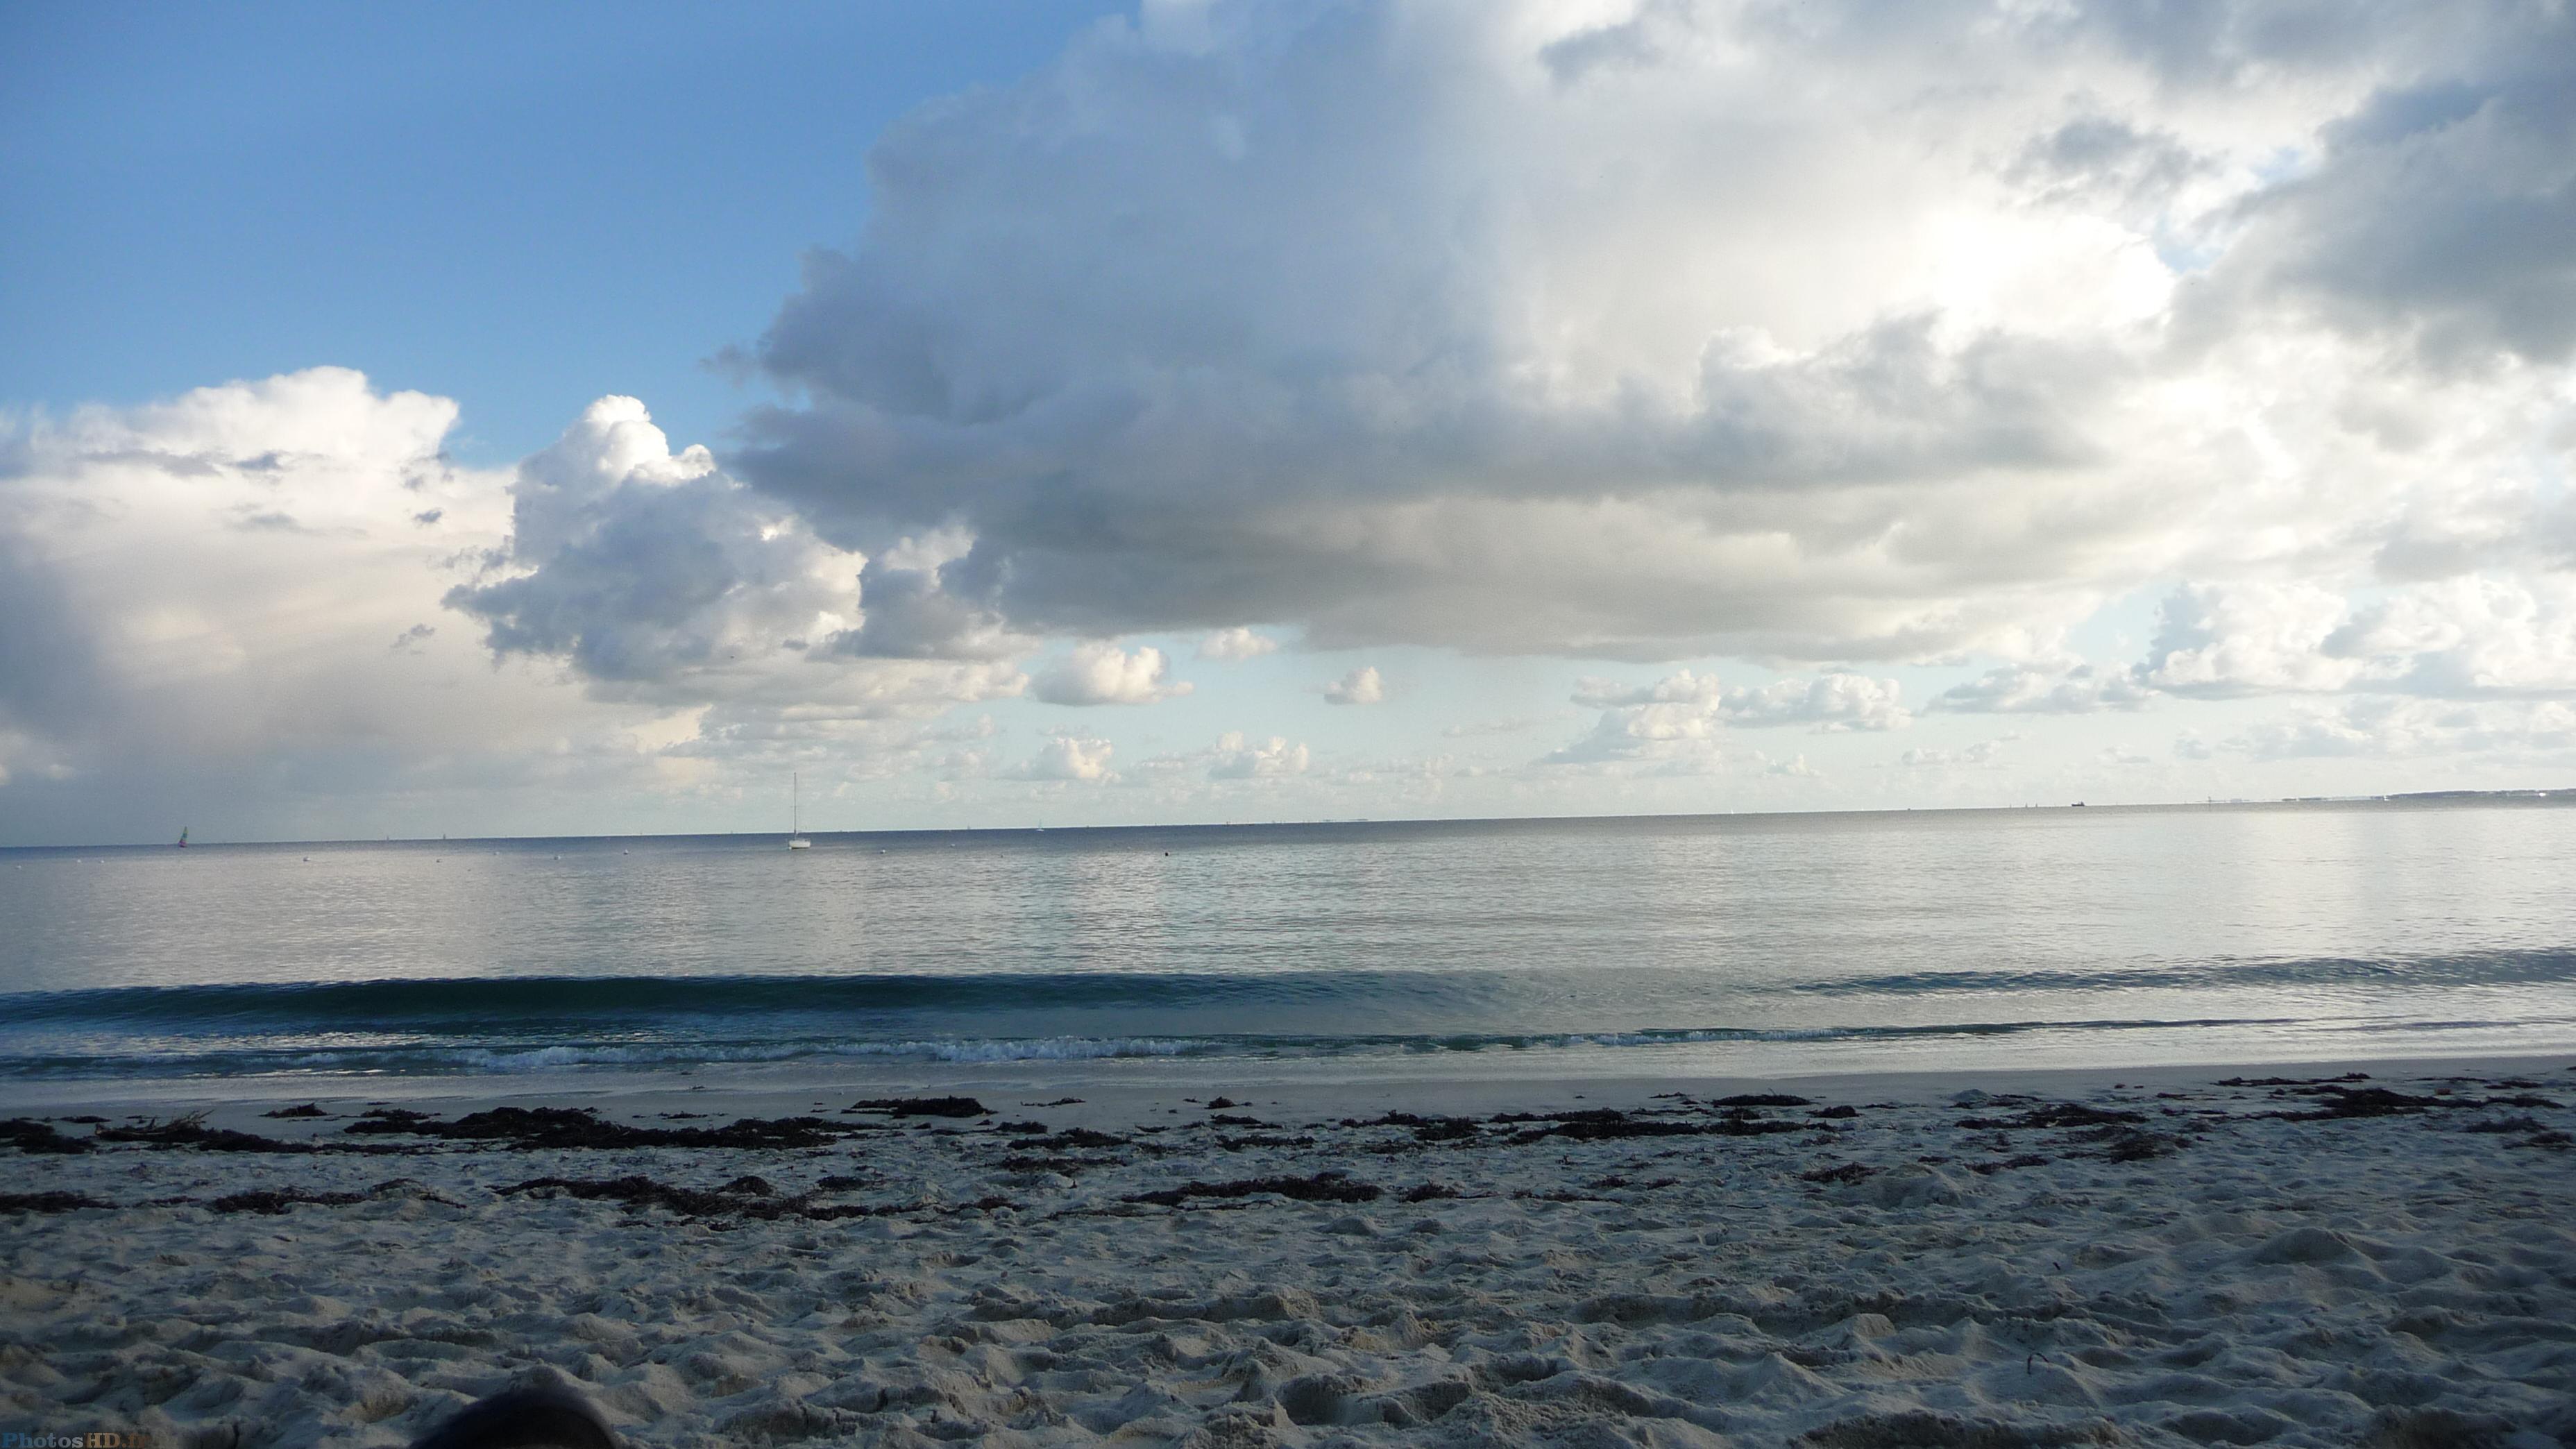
(2300, 1256)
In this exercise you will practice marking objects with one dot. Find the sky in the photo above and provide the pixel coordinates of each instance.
(479, 419)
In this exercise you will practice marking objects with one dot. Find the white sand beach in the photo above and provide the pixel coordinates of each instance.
(2147, 1258)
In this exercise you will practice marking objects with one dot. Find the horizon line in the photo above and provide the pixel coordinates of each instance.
(2525, 793)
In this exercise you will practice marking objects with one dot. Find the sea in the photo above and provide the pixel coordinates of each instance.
(1747, 945)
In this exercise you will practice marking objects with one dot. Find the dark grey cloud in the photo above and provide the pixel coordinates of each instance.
(50, 682)
(911, 615)
(2442, 212)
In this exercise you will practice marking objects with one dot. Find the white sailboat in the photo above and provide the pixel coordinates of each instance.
(796, 815)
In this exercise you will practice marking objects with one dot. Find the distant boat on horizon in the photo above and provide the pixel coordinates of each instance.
(183, 837)
(796, 814)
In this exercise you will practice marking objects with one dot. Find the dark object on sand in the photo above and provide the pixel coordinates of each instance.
(921, 1106)
(2051, 1116)
(309, 1109)
(47, 1202)
(548, 1418)
(524, 1129)
(1322, 1187)
(2343, 1102)
(1845, 1172)
(29, 1135)
(192, 1131)
(274, 1200)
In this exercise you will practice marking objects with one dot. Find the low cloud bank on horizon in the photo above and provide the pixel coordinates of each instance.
(1743, 373)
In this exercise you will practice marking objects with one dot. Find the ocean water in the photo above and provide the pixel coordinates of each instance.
(1751, 944)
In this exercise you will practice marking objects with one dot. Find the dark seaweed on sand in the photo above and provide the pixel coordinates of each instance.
(2027, 1159)
(2052, 1115)
(1069, 1140)
(309, 1109)
(46, 1202)
(1603, 1124)
(192, 1131)
(1842, 1172)
(921, 1106)
(270, 1200)
(2342, 1102)
(1322, 1187)
(28, 1135)
(1425, 1129)
(744, 1197)
(530, 1128)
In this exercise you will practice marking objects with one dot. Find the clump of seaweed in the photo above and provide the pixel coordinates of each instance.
(744, 1197)
(47, 1202)
(1322, 1187)
(1069, 1140)
(2052, 1115)
(192, 1131)
(921, 1106)
(29, 1135)
(531, 1128)
(275, 1200)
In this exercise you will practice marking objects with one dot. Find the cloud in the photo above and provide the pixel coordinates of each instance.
(1236, 643)
(1237, 759)
(640, 566)
(1491, 727)
(656, 576)
(2026, 689)
(152, 648)
(2226, 641)
(1361, 686)
(2481, 636)
(2441, 211)
(1884, 338)
(1984, 753)
(1068, 758)
(2389, 727)
(910, 615)
(1831, 702)
(1677, 721)
(2461, 638)
(1102, 673)
(650, 616)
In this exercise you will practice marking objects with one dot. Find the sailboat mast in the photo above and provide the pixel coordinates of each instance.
(795, 804)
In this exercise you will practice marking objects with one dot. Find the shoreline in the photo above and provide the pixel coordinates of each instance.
(2160, 1255)
(1319, 1086)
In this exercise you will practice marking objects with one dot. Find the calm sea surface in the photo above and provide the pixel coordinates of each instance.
(1758, 944)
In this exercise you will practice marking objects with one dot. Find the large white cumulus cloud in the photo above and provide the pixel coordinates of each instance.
(1815, 331)
(654, 575)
